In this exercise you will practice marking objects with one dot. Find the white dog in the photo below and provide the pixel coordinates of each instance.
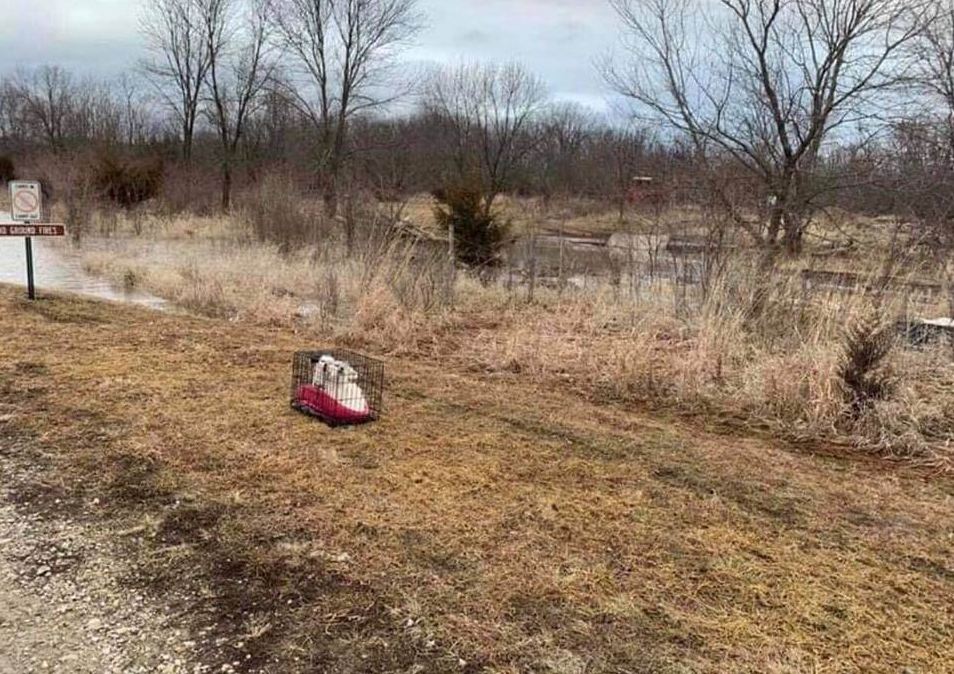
(339, 380)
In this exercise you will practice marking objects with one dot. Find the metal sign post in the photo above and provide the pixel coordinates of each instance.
(26, 198)
(31, 287)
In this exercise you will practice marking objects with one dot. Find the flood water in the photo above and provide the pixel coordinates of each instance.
(645, 257)
(57, 267)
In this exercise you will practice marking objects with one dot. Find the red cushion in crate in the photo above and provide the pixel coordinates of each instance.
(324, 405)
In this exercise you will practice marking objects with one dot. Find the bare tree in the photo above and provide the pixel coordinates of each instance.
(240, 64)
(135, 113)
(764, 83)
(9, 111)
(923, 149)
(179, 61)
(934, 58)
(95, 113)
(49, 105)
(626, 151)
(489, 109)
(47, 99)
(344, 51)
(564, 130)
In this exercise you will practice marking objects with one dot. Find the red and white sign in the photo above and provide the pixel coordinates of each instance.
(16, 229)
(26, 198)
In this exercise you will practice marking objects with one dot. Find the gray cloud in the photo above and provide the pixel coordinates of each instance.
(89, 36)
(557, 39)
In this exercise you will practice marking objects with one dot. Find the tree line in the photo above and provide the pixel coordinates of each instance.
(765, 110)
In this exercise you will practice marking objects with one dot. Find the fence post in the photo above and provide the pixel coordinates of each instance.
(532, 263)
(451, 264)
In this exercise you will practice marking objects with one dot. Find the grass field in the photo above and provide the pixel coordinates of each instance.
(486, 523)
(748, 349)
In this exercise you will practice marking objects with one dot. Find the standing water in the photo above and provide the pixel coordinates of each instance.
(57, 267)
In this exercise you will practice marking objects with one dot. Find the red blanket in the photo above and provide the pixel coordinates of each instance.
(318, 402)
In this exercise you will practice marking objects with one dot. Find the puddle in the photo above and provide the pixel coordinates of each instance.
(57, 267)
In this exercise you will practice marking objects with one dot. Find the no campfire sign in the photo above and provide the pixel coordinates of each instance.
(16, 229)
(27, 201)
(26, 211)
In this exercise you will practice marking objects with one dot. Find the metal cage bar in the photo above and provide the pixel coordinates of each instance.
(338, 386)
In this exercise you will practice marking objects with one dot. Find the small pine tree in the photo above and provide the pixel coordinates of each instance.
(863, 372)
(479, 235)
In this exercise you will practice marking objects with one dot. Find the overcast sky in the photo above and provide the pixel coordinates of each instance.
(556, 39)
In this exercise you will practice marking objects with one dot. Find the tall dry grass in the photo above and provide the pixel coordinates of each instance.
(748, 348)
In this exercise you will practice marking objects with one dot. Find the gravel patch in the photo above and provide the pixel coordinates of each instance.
(67, 604)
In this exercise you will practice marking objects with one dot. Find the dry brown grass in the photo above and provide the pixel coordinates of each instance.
(516, 526)
(660, 344)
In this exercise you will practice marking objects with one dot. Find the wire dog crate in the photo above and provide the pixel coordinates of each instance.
(340, 387)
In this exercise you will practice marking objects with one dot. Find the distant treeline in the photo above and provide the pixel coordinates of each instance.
(763, 137)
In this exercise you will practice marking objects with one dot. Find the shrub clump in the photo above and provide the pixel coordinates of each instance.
(479, 234)
(863, 374)
(127, 184)
(276, 214)
(7, 170)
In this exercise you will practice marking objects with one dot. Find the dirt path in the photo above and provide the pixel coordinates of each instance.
(66, 604)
